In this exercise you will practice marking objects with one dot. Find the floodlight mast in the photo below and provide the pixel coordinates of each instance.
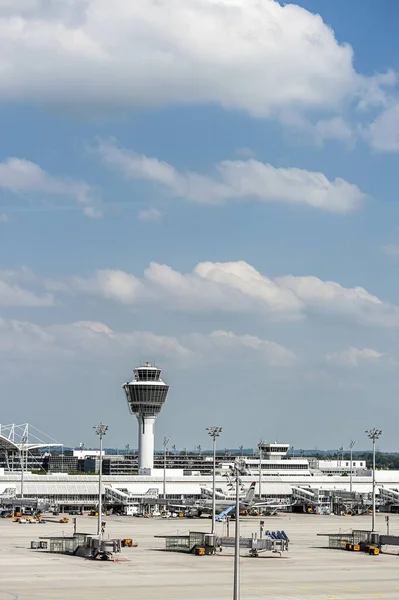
(260, 446)
(238, 470)
(214, 432)
(351, 446)
(22, 461)
(100, 430)
(373, 434)
(165, 448)
(145, 395)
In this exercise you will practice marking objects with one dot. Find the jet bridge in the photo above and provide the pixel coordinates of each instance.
(305, 495)
(225, 512)
(389, 496)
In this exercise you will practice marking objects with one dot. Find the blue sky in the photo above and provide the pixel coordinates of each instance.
(211, 186)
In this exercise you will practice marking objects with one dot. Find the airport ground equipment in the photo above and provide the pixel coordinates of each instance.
(224, 513)
(128, 543)
(79, 544)
(360, 540)
(275, 542)
(361, 537)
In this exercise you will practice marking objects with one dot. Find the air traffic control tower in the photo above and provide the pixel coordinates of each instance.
(145, 396)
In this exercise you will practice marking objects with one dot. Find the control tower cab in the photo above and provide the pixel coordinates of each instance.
(145, 395)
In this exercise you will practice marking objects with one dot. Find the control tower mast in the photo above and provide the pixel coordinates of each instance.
(145, 396)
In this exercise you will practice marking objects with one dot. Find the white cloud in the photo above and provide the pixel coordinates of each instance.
(24, 341)
(18, 175)
(111, 284)
(3, 218)
(335, 128)
(92, 212)
(261, 57)
(245, 152)
(12, 294)
(391, 249)
(332, 297)
(95, 339)
(355, 357)
(80, 341)
(383, 133)
(91, 340)
(221, 342)
(19, 5)
(238, 180)
(234, 287)
(152, 214)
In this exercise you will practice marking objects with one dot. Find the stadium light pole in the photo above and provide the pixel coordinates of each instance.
(214, 432)
(165, 444)
(22, 461)
(351, 445)
(238, 468)
(373, 434)
(100, 430)
(260, 468)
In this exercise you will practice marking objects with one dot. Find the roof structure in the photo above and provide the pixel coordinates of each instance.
(24, 437)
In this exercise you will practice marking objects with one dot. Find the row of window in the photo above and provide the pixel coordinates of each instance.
(147, 374)
(279, 466)
(148, 393)
(275, 449)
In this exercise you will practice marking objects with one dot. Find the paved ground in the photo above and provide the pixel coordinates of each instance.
(307, 572)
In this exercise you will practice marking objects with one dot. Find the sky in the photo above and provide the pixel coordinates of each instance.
(210, 185)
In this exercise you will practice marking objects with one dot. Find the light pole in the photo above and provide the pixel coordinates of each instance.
(260, 468)
(351, 445)
(165, 444)
(100, 430)
(214, 432)
(373, 434)
(238, 469)
(22, 460)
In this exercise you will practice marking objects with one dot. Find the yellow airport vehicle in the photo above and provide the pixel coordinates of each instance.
(351, 547)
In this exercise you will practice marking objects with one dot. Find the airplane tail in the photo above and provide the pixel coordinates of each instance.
(250, 493)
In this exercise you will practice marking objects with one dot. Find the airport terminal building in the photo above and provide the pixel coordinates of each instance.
(35, 468)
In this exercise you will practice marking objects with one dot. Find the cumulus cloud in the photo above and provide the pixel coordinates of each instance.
(12, 294)
(335, 128)
(383, 133)
(237, 180)
(111, 284)
(235, 287)
(223, 342)
(261, 57)
(22, 176)
(150, 215)
(332, 297)
(391, 249)
(355, 357)
(92, 340)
